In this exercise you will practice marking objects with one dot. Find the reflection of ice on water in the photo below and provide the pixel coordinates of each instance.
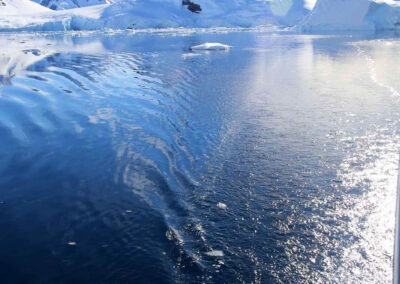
(19, 52)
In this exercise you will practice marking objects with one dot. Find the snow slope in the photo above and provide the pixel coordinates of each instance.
(13, 7)
(157, 14)
(25, 15)
(333, 15)
(69, 4)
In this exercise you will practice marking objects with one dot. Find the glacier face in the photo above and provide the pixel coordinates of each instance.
(211, 13)
(327, 15)
(133, 14)
(334, 15)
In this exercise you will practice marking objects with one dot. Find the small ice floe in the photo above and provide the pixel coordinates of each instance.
(128, 211)
(188, 55)
(211, 46)
(216, 253)
(72, 243)
(222, 206)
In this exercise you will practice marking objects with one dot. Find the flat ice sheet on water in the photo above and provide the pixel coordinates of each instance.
(211, 46)
(216, 253)
(188, 55)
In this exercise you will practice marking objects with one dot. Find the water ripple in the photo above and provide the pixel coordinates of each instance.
(131, 164)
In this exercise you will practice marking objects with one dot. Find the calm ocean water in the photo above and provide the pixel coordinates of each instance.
(127, 158)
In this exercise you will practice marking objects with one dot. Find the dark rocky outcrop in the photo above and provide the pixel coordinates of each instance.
(192, 7)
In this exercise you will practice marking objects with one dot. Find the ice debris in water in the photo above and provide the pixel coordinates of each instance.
(211, 46)
(72, 243)
(215, 253)
(188, 55)
(174, 236)
(222, 206)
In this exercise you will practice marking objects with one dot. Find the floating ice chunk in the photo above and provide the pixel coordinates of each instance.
(211, 46)
(216, 253)
(188, 55)
(72, 243)
(128, 211)
(222, 206)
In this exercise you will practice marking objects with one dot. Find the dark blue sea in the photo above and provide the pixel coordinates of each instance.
(128, 158)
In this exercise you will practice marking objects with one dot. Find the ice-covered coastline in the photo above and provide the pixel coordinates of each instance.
(141, 14)
(327, 15)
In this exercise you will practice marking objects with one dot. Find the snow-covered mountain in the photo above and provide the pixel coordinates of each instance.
(333, 15)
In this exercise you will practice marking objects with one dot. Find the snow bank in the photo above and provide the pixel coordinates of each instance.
(333, 15)
(140, 14)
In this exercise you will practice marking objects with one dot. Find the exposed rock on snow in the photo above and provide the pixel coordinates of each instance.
(211, 46)
(192, 7)
(330, 15)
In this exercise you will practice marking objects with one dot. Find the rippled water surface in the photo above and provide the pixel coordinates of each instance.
(127, 158)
